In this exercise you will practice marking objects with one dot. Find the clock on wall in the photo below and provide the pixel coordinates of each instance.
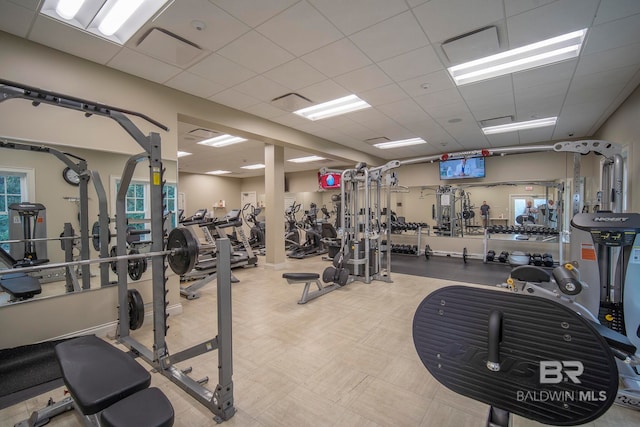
(71, 176)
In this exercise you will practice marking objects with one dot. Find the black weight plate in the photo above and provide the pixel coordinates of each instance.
(136, 267)
(343, 276)
(450, 333)
(136, 309)
(95, 235)
(185, 245)
(114, 264)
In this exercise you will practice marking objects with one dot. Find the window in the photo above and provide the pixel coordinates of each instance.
(138, 204)
(13, 189)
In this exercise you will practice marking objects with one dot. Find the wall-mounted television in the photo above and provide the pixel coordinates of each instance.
(329, 181)
(472, 167)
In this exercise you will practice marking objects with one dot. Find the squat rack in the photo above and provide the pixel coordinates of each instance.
(219, 401)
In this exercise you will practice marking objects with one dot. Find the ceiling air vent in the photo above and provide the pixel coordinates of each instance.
(168, 47)
(470, 46)
(291, 102)
(203, 133)
(496, 121)
(377, 140)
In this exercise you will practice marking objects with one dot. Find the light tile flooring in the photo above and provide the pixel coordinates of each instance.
(344, 359)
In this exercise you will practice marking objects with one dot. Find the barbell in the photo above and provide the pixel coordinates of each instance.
(182, 253)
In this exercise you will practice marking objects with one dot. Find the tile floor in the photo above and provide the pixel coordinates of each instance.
(344, 359)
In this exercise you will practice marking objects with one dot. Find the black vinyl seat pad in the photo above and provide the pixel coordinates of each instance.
(98, 374)
(450, 332)
(20, 285)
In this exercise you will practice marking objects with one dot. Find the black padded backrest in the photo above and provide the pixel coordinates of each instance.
(542, 345)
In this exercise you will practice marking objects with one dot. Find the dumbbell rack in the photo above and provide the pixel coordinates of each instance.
(527, 238)
(418, 232)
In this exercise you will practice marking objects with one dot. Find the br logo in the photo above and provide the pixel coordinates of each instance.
(554, 371)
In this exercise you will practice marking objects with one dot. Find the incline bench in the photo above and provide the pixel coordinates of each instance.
(109, 386)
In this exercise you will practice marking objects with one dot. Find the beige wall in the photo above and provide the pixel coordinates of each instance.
(624, 127)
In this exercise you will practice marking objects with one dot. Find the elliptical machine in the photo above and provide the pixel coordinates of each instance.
(313, 244)
(292, 235)
(257, 232)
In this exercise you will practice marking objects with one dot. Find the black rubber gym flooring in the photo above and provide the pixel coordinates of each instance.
(451, 268)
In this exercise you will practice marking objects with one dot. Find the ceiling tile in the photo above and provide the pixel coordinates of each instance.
(530, 136)
(354, 15)
(383, 95)
(195, 85)
(437, 99)
(602, 95)
(412, 64)
(337, 58)
(221, 28)
(543, 75)
(252, 12)
(29, 4)
(135, 63)
(404, 111)
(300, 29)
(487, 88)
(295, 74)
(265, 110)
(390, 38)
(551, 20)
(15, 19)
(614, 34)
(514, 7)
(427, 83)
(364, 79)
(609, 78)
(323, 91)
(533, 108)
(498, 105)
(577, 119)
(444, 19)
(67, 39)
(219, 69)
(608, 59)
(503, 139)
(234, 99)
(610, 10)
(451, 111)
(261, 88)
(255, 52)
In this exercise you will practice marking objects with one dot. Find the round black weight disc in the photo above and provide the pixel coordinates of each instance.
(114, 264)
(95, 235)
(185, 245)
(343, 276)
(136, 309)
(328, 274)
(136, 267)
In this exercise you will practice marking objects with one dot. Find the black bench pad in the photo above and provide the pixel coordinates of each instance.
(20, 285)
(302, 277)
(147, 408)
(97, 374)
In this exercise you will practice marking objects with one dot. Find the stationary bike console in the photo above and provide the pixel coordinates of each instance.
(522, 354)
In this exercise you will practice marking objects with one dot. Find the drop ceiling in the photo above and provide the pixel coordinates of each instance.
(391, 53)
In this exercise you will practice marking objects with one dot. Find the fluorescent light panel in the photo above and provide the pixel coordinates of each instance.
(114, 20)
(336, 107)
(306, 159)
(400, 143)
(512, 127)
(218, 172)
(222, 141)
(256, 166)
(183, 154)
(538, 54)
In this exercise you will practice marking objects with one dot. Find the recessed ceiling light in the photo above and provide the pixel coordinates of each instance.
(256, 166)
(534, 55)
(115, 20)
(306, 159)
(222, 141)
(346, 104)
(512, 127)
(217, 172)
(183, 153)
(401, 143)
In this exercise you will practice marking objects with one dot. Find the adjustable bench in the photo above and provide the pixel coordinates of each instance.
(108, 385)
(308, 279)
(20, 286)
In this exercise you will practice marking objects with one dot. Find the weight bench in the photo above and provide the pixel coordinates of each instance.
(109, 387)
(20, 286)
(308, 279)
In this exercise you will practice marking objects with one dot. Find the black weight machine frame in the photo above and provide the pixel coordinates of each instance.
(220, 401)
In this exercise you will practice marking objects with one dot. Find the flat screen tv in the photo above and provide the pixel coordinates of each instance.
(329, 181)
(472, 167)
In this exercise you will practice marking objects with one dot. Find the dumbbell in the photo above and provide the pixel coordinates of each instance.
(491, 255)
(504, 256)
(536, 259)
(547, 260)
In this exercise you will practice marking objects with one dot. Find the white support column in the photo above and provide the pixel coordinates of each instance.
(274, 198)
